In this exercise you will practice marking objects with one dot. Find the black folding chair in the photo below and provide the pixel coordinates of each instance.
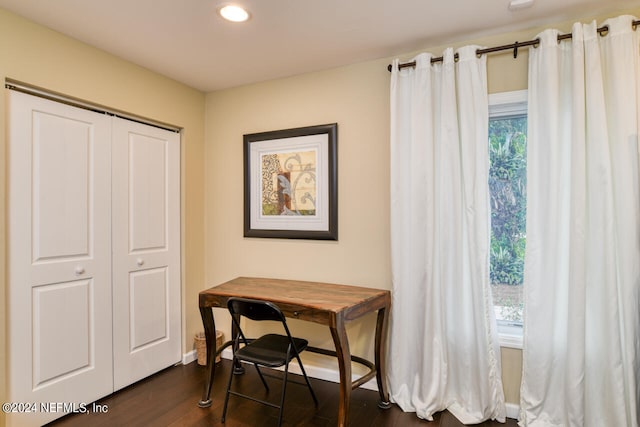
(270, 350)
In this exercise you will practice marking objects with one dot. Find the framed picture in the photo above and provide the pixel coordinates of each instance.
(290, 183)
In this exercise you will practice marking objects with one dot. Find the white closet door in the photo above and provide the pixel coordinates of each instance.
(146, 250)
(59, 234)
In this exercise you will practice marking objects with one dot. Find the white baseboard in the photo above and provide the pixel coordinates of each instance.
(513, 410)
(189, 357)
(313, 365)
(315, 370)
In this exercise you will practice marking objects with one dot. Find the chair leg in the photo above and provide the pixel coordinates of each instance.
(226, 396)
(304, 374)
(261, 377)
(284, 389)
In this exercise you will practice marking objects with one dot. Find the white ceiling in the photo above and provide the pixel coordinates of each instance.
(187, 41)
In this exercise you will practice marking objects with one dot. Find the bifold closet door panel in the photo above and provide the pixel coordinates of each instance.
(146, 250)
(59, 255)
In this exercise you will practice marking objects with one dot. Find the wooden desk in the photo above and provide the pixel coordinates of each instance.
(324, 303)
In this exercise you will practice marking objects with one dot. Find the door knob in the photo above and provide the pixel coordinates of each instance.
(79, 270)
(140, 262)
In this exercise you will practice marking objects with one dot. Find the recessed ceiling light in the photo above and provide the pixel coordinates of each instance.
(520, 4)
(233, 13)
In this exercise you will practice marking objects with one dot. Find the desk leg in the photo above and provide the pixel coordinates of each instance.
(210, 334)
(381, 363)
(343, 354)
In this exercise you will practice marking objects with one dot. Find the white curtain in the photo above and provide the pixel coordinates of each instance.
(582, 275)
(443, 345)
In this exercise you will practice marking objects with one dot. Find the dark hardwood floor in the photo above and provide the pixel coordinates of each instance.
(170, 398)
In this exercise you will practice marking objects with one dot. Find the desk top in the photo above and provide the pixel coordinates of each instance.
(324, 303)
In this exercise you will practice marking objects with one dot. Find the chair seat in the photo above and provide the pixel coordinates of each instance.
(270, 350)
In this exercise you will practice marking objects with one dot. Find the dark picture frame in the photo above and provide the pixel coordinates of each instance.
(291, 183)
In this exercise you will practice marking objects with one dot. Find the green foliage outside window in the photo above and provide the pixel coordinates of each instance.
(507, 185)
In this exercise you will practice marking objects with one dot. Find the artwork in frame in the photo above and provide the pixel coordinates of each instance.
(290, 183)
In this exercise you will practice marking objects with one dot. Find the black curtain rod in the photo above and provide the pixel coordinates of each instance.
(515, 46)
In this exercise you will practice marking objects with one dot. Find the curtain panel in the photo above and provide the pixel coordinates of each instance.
(582, 260)
(442, 322)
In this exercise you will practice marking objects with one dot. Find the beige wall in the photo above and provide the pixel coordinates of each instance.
(361, 256)
(33, 54)
(357, 98)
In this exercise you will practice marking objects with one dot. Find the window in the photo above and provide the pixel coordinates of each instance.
(507, 186)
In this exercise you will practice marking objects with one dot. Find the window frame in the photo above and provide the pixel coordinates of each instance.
(504, 105)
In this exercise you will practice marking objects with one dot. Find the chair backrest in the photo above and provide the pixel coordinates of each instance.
(255, 310)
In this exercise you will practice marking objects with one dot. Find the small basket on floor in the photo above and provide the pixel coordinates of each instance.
(201, 347)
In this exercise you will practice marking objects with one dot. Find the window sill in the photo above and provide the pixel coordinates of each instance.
(510, 336)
